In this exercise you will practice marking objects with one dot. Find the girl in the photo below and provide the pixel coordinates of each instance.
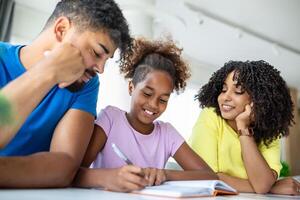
(155, 70)
(247, 108)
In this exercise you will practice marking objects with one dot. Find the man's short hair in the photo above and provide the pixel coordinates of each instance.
(95, 15)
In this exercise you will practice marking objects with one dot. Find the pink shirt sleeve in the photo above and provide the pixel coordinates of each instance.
(174, 139)
(104, 119)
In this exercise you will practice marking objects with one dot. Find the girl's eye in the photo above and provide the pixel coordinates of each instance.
(163, 101)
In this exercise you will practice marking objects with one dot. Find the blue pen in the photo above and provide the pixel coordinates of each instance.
(121, 154)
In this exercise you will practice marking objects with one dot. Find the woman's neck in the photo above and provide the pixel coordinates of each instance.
(232, 124)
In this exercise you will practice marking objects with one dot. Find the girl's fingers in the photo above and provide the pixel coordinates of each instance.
(152, 177)
(132, 174)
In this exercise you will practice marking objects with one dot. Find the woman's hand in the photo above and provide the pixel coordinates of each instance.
(154, 176)
(288, 186)
(125, 179)
(244, 119)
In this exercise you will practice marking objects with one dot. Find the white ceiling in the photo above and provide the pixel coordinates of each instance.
(277, 20)
(46, 6)
(215, 31)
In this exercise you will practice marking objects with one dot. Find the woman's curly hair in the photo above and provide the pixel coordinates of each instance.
(272, 104)
(147, 56)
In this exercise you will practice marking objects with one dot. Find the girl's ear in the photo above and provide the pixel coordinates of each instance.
(61, 27)
(130, 87)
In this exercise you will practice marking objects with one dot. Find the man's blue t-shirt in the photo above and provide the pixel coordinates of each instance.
(36, 133)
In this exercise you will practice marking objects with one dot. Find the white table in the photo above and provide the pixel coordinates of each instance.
(93, 194)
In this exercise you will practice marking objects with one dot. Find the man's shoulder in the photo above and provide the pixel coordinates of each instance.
(93, 84)
(8, 52)
(4, 48)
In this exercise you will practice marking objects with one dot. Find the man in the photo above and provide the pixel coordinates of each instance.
(55, 116)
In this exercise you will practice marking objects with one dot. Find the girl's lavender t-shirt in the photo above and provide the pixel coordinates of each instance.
(151, 150)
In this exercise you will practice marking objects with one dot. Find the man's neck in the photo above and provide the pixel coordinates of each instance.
(33, 53)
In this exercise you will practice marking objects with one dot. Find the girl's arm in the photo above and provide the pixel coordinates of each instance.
(194, 168)
(96, 145)
(126, 178)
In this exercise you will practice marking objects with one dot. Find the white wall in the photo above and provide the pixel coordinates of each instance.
(208, 42)
(182, 110)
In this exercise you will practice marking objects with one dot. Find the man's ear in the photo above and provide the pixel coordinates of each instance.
(130, 87)
(61, 27)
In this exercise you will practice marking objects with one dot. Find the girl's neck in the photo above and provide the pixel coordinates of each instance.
(144, 129)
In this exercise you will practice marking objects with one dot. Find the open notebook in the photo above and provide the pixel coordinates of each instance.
(185, 189)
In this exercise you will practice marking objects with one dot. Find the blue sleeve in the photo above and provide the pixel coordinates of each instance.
(86, 99)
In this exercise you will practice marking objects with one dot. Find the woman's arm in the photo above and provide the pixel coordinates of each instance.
(260, 175)
(287, 186)
(241, 185)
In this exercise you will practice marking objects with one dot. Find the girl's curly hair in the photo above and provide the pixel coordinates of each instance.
(147, 56)
(273, 107)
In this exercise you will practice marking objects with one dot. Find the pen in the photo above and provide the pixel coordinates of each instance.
(121, 154)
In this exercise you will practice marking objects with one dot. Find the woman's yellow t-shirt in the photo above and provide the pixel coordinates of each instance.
(218, 144)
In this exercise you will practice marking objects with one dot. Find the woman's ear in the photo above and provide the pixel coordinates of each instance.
(130, 87)
(61, 26)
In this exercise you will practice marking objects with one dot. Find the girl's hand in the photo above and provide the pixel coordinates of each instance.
(125, 179)
(288, 186)
(155, 176)
(244, 119)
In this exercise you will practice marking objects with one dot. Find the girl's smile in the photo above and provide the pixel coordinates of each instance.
(149, 99)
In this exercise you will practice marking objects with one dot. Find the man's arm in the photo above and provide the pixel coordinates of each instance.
(63, 65)
(58, 167)
(24, 94)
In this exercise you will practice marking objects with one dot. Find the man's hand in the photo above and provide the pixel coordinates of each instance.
(65, 63)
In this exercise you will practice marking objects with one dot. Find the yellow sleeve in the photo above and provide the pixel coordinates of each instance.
(204, 138)
(272, 155)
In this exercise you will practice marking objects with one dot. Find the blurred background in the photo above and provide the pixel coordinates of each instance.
(211, 32)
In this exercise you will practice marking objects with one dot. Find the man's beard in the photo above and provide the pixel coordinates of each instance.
(78, 85)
